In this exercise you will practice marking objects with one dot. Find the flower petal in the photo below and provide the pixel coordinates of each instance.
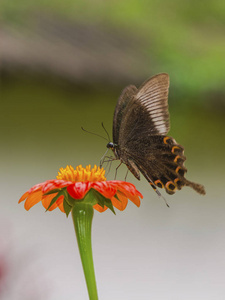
(25, 195)
(60, 204)
(54, 184)
(120, 204)
(129, 188)
(33, 199)
(77, 190)
(46, 200)
(99, 208)
(36, 187)
(131, 193)
(106, 188)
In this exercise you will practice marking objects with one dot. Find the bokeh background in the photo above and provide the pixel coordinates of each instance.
(63, 65)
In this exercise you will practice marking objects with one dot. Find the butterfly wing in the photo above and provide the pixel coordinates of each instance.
(126, 95)
(141, 136)
(161, 161)
(146, 113)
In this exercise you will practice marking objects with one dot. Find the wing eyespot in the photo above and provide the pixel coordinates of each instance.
(159, 184)
(170, 186)
(176, 149)
(178, 157)
(180, 171)
(178, 182)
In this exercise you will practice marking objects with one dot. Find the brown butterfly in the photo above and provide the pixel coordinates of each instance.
(140, 127)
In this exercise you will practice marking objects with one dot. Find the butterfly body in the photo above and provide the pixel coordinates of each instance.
(140, 127)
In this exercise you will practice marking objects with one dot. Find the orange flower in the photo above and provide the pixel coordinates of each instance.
(75, 184)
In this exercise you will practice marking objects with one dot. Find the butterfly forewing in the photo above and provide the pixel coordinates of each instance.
(153, 95)
(126, 95)
(146, 113)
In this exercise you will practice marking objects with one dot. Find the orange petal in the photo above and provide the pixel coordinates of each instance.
(60, 206)
(129, 188)
(120, 204)
(106, 188)
(100, 208)
(59, 203)
(25, 195)
(47, 200)
(134, 198)
(33, 199)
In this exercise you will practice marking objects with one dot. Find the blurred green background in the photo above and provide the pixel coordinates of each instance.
(63, 65)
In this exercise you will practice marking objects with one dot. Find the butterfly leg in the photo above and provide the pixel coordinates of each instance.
(110, 164)
(125, 179)
(102, 160)
(117, 169)
(106, 159)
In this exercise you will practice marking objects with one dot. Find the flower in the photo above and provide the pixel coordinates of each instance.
(79, 191)
(81, 184)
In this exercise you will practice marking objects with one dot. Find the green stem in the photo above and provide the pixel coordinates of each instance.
(82, 215)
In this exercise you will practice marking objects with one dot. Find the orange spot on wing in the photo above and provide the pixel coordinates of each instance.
(175, 148)
(165, 139)
(168, 184)
(176, 158)
(176, 180)
(178, 169)
(159, 183)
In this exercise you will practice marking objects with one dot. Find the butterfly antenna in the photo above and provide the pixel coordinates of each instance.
(94, 133)
(106, 131)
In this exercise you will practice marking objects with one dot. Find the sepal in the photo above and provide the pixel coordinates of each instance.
(53, 191)
(101, 200)
(67, 207)
(60, 193)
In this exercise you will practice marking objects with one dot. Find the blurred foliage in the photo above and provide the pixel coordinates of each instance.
(183, 38)
(39, 117)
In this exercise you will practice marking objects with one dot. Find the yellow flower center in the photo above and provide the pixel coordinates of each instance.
(81, 174)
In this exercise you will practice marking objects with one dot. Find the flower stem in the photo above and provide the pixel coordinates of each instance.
(82, 215)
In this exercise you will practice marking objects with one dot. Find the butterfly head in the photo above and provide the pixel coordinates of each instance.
(111, 145)
(114, 148)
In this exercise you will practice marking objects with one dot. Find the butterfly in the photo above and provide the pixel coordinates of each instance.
(140, 126)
